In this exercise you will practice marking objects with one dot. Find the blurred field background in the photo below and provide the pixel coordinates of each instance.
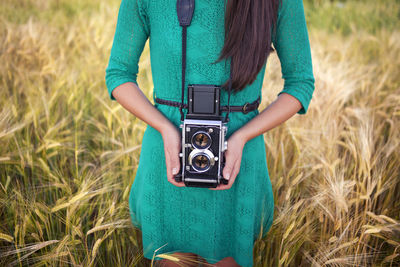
(68, 154)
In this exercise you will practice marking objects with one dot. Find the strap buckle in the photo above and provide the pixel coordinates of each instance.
(244, 109)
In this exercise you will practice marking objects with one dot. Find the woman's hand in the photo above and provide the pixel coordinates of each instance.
(233, 158)
(172, 147)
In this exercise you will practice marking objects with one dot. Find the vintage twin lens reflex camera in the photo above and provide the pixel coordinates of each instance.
(203, 138)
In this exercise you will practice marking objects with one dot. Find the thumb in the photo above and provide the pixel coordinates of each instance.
(175, 163)
(226, 172)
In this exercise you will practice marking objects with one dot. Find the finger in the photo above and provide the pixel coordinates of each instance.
(223, 186)
(168, 165)
(170, 175)
(236, 169)
(219, 187)
(230, 181)
(229, 162)
(179, 184)
(175, 163)
(175, 168)
(174, 182)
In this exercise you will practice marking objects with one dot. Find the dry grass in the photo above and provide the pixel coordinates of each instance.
(68, 154)
(336, 170)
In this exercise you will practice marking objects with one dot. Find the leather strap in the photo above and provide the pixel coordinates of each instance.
(185, 9)
(246, 108)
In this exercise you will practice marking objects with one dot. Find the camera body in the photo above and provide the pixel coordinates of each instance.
(203, 138)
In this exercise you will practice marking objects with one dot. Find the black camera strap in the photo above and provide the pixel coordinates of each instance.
(185, 9)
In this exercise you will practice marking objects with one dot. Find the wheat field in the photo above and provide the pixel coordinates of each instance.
(68, 154)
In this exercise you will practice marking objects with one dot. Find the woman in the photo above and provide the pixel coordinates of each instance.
(217, 224)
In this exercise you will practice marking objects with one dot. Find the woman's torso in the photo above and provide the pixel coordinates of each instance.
(205, 39)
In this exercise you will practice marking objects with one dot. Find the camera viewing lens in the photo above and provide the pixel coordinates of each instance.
(201, 162)
(201, 140)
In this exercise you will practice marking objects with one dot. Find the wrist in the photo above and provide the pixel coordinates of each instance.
(165, 126)
(242, 135)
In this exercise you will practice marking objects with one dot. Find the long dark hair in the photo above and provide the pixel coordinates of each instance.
(248, 38)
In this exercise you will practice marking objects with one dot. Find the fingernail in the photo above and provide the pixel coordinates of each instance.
(174, 170)
(227, 176)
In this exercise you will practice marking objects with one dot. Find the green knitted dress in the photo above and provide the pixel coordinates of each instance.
(212, 224)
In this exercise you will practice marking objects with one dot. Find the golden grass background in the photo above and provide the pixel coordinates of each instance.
(68, 154)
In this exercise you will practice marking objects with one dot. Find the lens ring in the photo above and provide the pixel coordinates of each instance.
(207, 157)
(201, 162)
(201, 140)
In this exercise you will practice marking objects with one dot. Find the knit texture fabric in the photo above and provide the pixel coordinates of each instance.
(212, 224)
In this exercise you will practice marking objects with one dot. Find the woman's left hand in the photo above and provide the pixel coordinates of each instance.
(233, 158)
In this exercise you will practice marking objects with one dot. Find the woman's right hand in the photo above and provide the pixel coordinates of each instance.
(172, 147)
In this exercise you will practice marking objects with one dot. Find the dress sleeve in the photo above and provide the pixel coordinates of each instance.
(130, 36)
(293, 48)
